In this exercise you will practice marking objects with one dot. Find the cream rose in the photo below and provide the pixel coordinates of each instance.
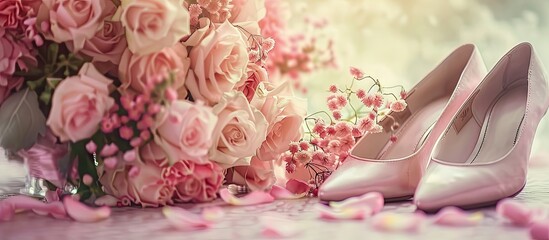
(184, 131)
(285, 113)
(73, 20)
(218, 62)
(136, 70)
(79, 104)
(152, 25)
(239, 131)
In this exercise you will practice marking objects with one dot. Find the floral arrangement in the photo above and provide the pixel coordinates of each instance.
(149, 101)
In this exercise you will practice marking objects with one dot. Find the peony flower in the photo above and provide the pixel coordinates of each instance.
(284, 113)
(79, 104)
(239, 132)
(152, 25)
(184, 131)
(147, 187)
(198, 182)
(12, 13)
(106, 47)
(136, 71)
(219, 61)
(248, 85)
(259, 176)
(73, 21)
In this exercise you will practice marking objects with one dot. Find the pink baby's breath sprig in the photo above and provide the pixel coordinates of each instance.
(352, 113)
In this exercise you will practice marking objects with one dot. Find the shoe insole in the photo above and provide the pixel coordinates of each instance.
(413, 132)
(500, 128)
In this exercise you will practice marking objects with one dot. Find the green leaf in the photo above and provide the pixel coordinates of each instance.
(21, 121)
(53, 51)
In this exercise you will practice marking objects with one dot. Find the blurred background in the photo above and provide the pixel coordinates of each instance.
(399, 41)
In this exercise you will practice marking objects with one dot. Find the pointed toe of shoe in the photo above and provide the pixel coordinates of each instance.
(356, 177)
(462, 187)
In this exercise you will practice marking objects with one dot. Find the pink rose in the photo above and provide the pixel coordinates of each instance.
(153, 153)
(184, 131)
(247, 14)
(152, 25)
(79, 104)
(148, 188)
(259, 176)
(197, 182)
(218, 63)
(74, 20)
(106, 47)
(115, 181)
(11, 54)
(248, 84)
(239, 132)
(136, 71)
(285, 113)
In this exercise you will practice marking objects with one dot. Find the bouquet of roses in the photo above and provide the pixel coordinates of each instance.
(149, 101)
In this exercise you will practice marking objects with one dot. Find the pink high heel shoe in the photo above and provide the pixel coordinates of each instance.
(482, 157)
(394, 169)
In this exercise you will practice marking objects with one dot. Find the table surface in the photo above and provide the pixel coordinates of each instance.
(242, 222)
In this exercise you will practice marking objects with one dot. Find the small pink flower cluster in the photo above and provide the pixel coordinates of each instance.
(295, 54)
(18, 36)
(329, 144)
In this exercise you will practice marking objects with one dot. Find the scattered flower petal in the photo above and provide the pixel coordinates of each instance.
(330, 214)
(213, 214)
(106, 200)
(253, 198)
(297, 186)
(539, 230)
(11, 205)
(279, 192)
(6, 211)
(518, 213)
(371, 200)
(184, 220)
(452, 216)
(82, 213)
(394, 222)
(278, 227)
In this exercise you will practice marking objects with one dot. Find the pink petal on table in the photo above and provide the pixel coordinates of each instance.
(540, 230)
(56, 209)
(518, 213)
(371, 200)
(106, 200)
(331, 214)
(184, 220)
(253, 198)
(7, 211)
(82, 213)
(279, 192)
(394, 222)
(278, 227)
(213, 214)
(452, 216)
(296, 186)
